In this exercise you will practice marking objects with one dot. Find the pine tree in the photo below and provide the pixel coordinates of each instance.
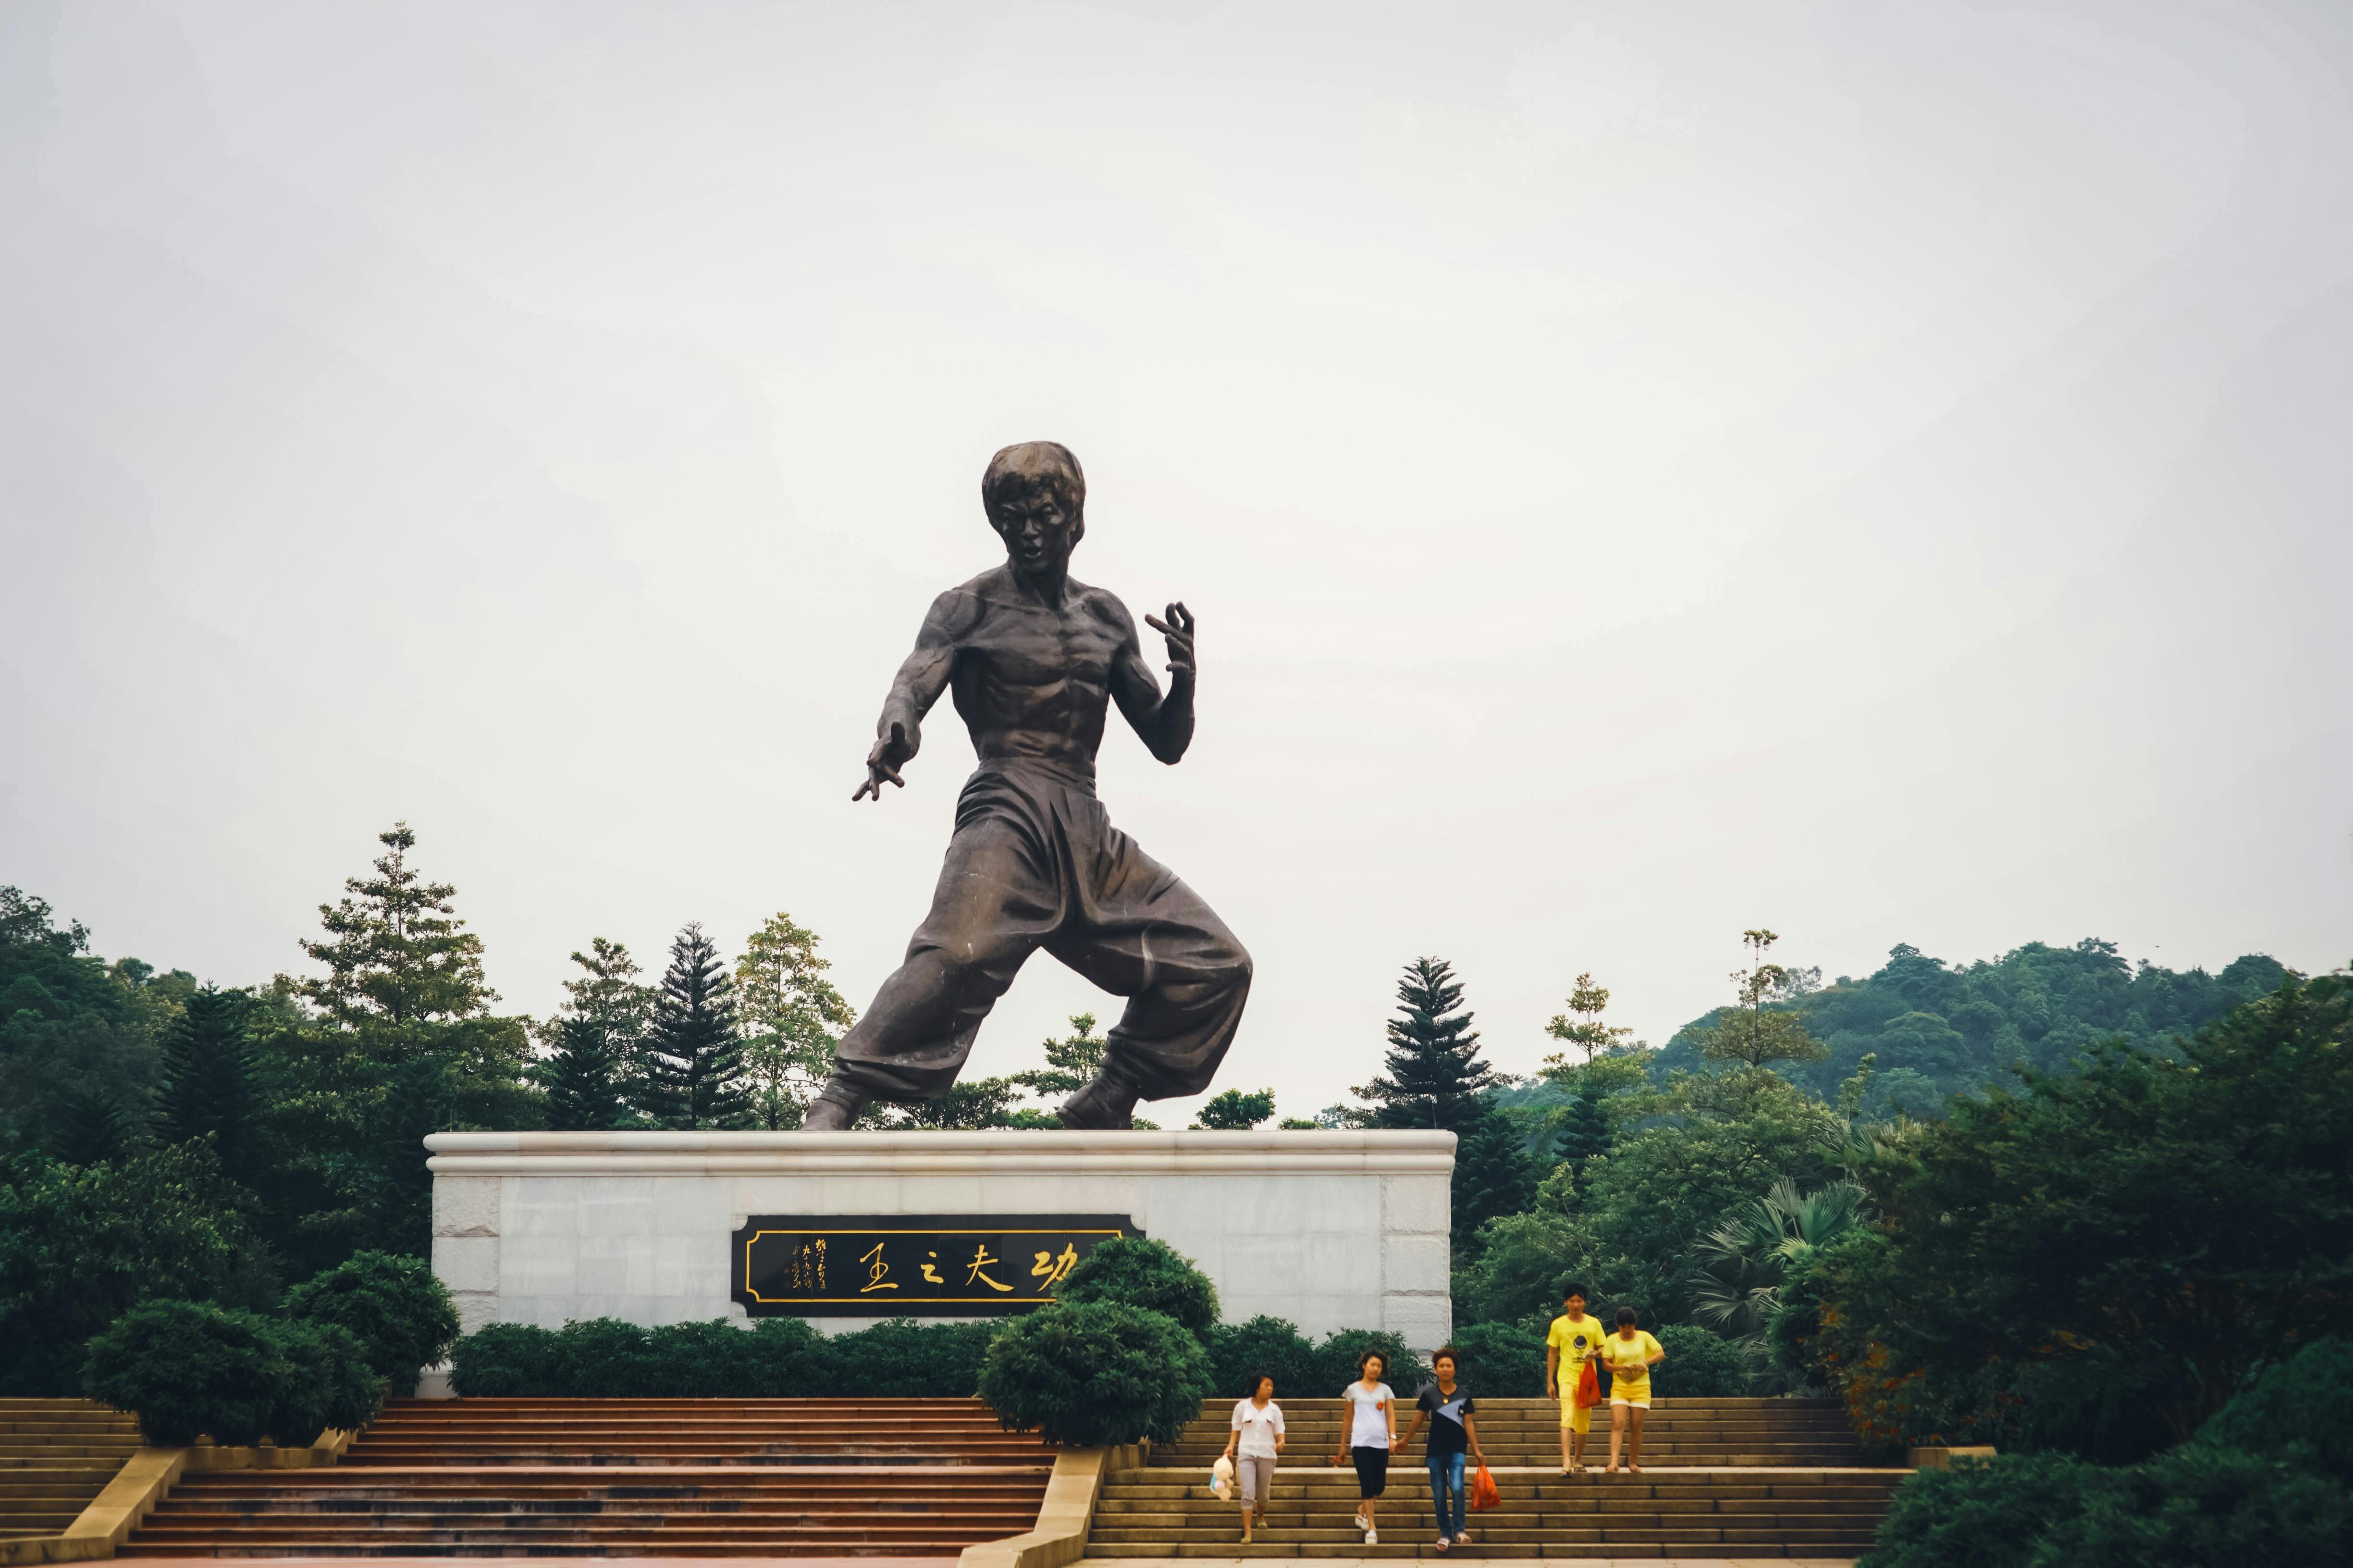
(1071, 1063)
(394, 955)
(607, 1014)
(1493, 1173)
(695, 1060)
(584, 1080)
(1435, 1077)
(1585, 1130)
(208, 1079)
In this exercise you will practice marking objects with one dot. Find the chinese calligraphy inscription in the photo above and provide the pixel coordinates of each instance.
(945, 1266)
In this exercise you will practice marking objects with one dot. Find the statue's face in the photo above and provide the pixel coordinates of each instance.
(1038, 533)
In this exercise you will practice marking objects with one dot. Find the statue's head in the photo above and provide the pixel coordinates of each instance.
(1036, 496)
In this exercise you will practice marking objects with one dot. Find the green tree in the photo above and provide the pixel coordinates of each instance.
(89, 1125)
(583, 1079)
(81, 1244)
(607, 1012)
(1071, 1062)
(395, 952)
(1742, 1261)
(695, 1059)
(1235, 1112)
(1493, 1173)
(1588, 1033)
(968, 1107)
(1435, 1078)
(208, 1069)
(791, 1016)
(2096, 1254)
(1751, 1034)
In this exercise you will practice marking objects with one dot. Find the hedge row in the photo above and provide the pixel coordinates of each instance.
(779, 1358)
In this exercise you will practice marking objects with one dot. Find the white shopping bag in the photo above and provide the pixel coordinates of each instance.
(1222, 1477)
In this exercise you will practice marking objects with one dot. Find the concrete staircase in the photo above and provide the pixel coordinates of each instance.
(1723, 1478)
(667, 1478)
(55, 1455)
(1526, 1432)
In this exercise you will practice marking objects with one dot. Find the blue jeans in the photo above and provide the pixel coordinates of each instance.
(1446, 1491)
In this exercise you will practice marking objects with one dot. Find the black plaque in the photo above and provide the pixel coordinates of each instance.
(931, 1266)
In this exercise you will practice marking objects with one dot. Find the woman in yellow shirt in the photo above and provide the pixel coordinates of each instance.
(1630, 1355)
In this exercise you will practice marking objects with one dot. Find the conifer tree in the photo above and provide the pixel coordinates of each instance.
(1493, 1173)
(695, 1059)
(1071, 1063)
(584, 1080)
(393, 954)
(1435, 1077)
(607, 1015)
(207, 1085)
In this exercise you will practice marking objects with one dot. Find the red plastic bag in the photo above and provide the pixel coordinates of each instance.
(1588, 1387)
(1483, 1494)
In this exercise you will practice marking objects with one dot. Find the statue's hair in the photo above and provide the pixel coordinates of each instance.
(1028, 465)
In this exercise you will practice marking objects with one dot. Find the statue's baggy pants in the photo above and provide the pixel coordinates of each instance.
(1036, 863)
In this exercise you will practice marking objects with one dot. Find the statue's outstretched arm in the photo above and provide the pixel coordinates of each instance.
(898, 733)
(1165, 723)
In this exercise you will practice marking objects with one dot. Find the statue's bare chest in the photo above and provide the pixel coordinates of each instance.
(1029, 646)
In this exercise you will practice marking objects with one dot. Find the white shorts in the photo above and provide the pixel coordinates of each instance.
(1641, 1403)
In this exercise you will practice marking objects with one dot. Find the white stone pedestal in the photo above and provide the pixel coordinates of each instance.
(1332, 1230)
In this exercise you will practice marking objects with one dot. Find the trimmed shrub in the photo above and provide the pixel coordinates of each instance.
(701, 1361)
(400, 1311)
(779, 1358)
(907, 1359)
(606, 1358)
(1339, 1351)
(1505, 1361)
(1274, 1346)
(505, 1361)
(2197, 1507)
(1138, 1272)
(1978, 1514)
(187, 1370)
(1699, 1364)
(1091, 1373)
(320, 1379)
(2301, 1409)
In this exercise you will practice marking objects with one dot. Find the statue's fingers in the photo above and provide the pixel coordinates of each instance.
(1157, 625)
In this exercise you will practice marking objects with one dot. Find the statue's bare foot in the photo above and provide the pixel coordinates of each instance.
(836, 1109)
(1102, 1106)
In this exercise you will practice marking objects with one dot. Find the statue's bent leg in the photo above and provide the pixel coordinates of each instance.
(994, 905)
(1140, 933)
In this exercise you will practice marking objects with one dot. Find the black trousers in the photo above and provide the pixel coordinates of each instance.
(1036, 863)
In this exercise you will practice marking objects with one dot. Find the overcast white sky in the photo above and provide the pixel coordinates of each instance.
(1641, 471)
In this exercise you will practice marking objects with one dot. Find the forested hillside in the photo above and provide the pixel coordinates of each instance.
(1939, 1029)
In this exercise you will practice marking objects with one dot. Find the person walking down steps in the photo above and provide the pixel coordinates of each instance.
(1570, 1347)
(1453, 1435)
(1254, 1445)
(1371, 1429)
(1630, 1355)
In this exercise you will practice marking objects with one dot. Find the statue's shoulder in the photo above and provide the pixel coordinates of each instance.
(966, 605)
(1105, 607)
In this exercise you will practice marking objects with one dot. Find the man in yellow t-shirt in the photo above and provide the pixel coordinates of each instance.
(1630, 1355)
(1573, 1340)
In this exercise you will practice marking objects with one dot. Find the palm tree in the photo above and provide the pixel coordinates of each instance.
(1742, 1262)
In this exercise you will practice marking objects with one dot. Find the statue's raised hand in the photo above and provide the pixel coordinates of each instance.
(882, 761)
(1178, 629)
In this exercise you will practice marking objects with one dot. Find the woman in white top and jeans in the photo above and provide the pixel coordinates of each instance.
(1372, 1433)
(1258, 1435)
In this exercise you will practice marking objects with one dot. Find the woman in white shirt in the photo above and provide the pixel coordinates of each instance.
(1258, 1436)
(1371, 1427)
